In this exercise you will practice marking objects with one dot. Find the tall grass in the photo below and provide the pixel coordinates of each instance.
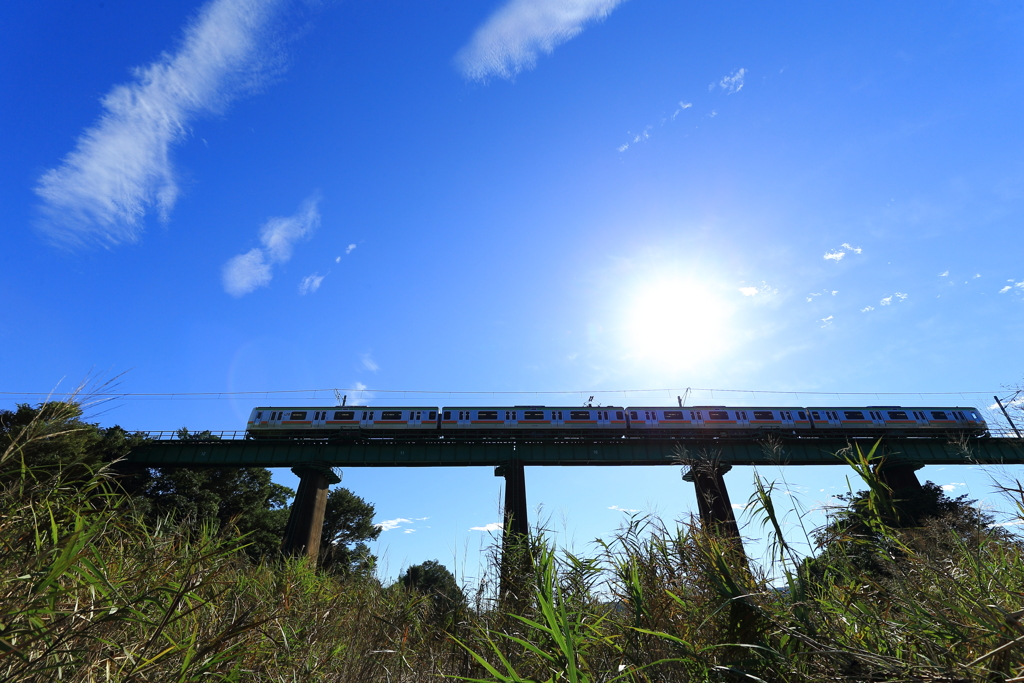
(88, 592)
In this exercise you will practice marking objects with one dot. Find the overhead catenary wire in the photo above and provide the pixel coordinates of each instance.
(397, 394)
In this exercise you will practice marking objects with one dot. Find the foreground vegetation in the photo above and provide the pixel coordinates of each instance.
(97, 587)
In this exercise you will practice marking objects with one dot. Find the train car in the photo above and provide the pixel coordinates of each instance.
(318, 421)
(899, 419)
(532, 417)
(717, 419)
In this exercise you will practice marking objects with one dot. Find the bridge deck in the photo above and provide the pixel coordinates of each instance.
(437, 452)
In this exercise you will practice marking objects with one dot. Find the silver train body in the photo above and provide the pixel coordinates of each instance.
(306, 422)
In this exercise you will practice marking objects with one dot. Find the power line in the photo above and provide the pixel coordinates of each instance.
(329, 393)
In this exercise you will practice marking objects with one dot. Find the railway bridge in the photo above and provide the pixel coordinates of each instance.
(705, 462)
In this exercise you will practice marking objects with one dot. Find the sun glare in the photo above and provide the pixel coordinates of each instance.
(676, 324)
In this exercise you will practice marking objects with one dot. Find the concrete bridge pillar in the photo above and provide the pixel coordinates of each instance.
(900, 476)
(515, 546)
(306, 519)
(713, 498)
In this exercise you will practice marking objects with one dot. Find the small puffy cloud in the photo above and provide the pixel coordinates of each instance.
(900, 296)
(952, 486)
(337, 259)
(310, 283)
(246, 272)
(628, 511)
(732, 83)
(754, 291)
(369, 363)
(1005, 289)
(408, 531)
(515, 35)
(623, 147)
(349, 248)
(391, 524)
(886, 301)
(944, 273)
(867, 308)
(682, 106)
(359, 386)
(826, 321)
(839, 253)
(976, 275)
(493, 526)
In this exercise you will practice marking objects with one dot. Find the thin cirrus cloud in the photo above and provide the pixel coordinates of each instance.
(247, 272)
(120, 169)
(493, 526)
(310, 283)
(517, 33)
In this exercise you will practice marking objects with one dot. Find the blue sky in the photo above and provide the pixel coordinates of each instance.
(577, 196)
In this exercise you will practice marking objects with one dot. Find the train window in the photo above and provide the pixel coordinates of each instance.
(672, 415)
(298, 415)
(815, 415)
(533, 414)
(487, 414)
(897, 415)
(579, 414)
(391, 414)
(559, 414)
(803, 416)
(764, 415)
(419, 414)
(618, 414)
(718, 415)
(259, 415)
(371, 414)
(433, 415)
(364, 414)
(344, 414)
(633, 415)
(938, 415)
(853, 415)
(447, 414)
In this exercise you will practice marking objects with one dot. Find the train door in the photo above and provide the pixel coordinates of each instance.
(602, 418)
(696, 418)
(366, 418)
(276, 417)
(557, 418)
(651, 417)
(464, 418)
(415, 418)
(511, 418)
(741, 418)
(319, 419)
(786, 416)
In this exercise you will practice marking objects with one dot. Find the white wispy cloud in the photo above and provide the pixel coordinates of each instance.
(834, 255)
(952, 486)
(247, 272)
(392, 524)
(732, 83)
(867, 308)
(493, 526)
(900, 296)
(838, 254)
(1005, 289)
(826, 321)
(628, 511)
(310, 283)
(515, 35)
(886, 301)
(369, 363)
(754, 291)
(120, 169)
(855, 250)
(945, 273)
(349, 248)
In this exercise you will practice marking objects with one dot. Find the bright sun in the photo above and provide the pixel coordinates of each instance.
(676, 324)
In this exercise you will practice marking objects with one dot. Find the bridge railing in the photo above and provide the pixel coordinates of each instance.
(195, 436)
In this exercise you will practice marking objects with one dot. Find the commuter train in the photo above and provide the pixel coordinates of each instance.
(692, 422)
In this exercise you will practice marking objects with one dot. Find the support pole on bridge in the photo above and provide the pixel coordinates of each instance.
(713, 498)
(515, 538)
(306, 519)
